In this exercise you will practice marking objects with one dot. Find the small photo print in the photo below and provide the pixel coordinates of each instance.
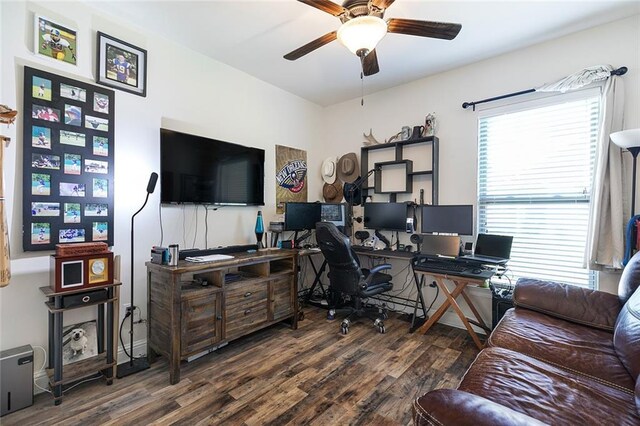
(41, 137)
(55, 41)
(40, 184)
(96, 123)
(100, 231)
(100, 146)
(100, 103)
(79, 341)
(71, 235)
(100, 188)
(72, 115)
(40, 233)
(72, 138)
(96, 209)
(40, 161)
(71, 212)
(72, 164)
(72, 189)
(94, 166)
(45, 209)
(41, 88)
(45, 113)
(72, 92)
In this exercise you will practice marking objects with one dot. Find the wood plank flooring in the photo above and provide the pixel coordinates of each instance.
(313, 375)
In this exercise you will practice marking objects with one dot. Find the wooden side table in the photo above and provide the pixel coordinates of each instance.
(105, 361)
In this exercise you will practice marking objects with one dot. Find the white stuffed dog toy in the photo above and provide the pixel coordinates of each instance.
(78, 341)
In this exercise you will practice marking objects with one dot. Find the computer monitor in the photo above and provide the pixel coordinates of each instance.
(447, 219)
(334, 213)
(494, 245)
(386, 216)
(301, 216)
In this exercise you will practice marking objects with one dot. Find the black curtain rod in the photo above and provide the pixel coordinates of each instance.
(619, 71)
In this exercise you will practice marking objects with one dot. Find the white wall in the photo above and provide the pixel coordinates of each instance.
(617, 43)
(186, 92)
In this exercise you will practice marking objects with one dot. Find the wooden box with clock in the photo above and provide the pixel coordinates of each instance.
(81, 271)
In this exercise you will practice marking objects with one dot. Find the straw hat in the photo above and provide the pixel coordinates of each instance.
(329, 170)
(332, 192)
(348, 169)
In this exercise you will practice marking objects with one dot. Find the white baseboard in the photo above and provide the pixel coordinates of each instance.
(139, 349)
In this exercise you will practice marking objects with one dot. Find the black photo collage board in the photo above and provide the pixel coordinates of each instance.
(68, 161)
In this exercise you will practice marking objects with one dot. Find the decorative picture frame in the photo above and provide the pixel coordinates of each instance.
(121, 65)
(68, 164)
(55, 41)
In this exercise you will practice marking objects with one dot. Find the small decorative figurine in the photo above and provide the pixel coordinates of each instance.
(430, 124)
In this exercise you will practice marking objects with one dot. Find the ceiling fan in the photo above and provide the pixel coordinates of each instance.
(363, 27)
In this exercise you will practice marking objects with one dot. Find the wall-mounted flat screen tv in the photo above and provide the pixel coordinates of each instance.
(195, 169)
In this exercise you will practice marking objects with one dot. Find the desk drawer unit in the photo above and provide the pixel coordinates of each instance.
(245, 307)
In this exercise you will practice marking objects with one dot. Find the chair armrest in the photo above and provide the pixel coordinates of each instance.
(454, 407)
(593, 308)
(374, 271)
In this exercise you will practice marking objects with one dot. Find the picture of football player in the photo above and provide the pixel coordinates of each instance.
(121, 68)
(57, 44)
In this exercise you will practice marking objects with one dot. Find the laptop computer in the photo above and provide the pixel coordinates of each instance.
(491, 249)
(440, 246)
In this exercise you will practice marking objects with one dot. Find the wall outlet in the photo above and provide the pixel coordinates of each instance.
(127, 308)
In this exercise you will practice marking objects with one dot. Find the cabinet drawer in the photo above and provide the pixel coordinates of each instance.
(200, 323)
(242, 296)
(243, 321)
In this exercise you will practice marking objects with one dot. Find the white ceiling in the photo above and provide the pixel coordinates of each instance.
(252, 36)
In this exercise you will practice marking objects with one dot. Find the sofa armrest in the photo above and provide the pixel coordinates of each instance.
(593, 308)
(454, 407)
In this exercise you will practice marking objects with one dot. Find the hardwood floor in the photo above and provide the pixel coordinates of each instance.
(313, 375)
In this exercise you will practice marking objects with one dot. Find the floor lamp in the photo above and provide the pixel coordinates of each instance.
(629, 139)
(135, 364)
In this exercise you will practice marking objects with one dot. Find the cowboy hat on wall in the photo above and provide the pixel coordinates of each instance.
(348, 169)
(329, 170)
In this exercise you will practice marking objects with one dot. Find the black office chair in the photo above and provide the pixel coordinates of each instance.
(348, 278)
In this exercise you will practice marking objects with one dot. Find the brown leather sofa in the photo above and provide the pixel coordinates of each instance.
(563, 355)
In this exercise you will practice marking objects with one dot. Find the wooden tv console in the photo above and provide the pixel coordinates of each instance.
(244, 294)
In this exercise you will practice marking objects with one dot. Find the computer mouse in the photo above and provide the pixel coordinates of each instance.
(476, 271)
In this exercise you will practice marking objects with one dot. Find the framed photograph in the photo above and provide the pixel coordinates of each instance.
(55, 41)
(68, 161)
(121, 65)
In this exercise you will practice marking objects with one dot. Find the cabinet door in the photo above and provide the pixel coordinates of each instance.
(201, 326)
(282, 295)
(245, 307)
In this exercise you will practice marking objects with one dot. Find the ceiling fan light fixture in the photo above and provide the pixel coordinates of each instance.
(362, 33)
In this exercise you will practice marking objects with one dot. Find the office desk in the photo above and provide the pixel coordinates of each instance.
(408, 257)
(460, 284)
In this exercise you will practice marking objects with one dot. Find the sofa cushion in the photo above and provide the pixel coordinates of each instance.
(630, 279)
(626, 338)
(566, 344)
(546, 392)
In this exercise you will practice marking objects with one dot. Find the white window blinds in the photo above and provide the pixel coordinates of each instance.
(535, 172)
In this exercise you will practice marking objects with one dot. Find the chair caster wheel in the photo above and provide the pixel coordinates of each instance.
(384, 315)
(381, 329)
(331, 315)
(343, 329)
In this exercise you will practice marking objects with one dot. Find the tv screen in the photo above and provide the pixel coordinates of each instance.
(447, 219)
(195, 169)
(386, 216)
(301, 216)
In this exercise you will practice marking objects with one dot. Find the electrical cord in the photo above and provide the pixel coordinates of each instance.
(195, 234)
(84, 381)
(206, 226)
(124, 347)
(44, 363)
(161, 228)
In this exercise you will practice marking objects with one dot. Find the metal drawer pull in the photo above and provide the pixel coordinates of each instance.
(86, 299)
(247, 312)
(247, 294)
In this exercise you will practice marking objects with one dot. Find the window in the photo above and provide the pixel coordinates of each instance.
(535, 167)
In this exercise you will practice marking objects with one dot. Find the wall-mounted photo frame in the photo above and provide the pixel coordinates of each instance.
(55, 41)
(121, 65)
(68, 166)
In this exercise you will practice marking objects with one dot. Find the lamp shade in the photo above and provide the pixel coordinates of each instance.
(362, 33)
(626, 138)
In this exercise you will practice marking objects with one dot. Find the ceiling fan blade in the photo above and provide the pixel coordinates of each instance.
(382, 4)
(326, 6)
(310, 47)
(370, 64)
(443, 30)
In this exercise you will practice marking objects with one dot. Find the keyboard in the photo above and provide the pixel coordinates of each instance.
(210, 258)
(451, 267)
